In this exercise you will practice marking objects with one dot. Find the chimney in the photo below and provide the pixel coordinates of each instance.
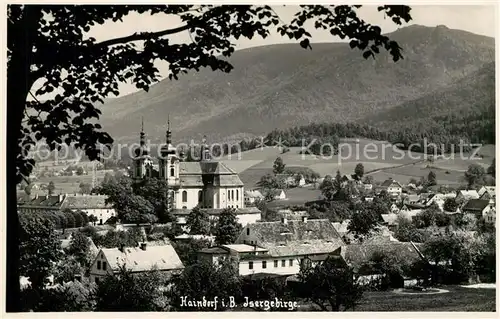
(143, 246)
(284, 219)
(304, 219)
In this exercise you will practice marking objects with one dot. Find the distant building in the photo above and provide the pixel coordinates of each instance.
(90, 204)
(287, 244)
(439, 199)
(478, 208)
(136, 259)
(488, 193)
(393, 188)
(206, 183)
(278, 194)
(252, 196)
(341, 228)
(465, 195)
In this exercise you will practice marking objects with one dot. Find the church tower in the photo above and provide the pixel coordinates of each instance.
(169, 161)
(169, 167)
(143, 165)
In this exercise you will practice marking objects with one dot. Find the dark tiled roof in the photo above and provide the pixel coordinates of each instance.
(201, 168)
(295, 230)
(86, 202)
(476, 205)
(359, 254)
(50, 201)
(214, 250)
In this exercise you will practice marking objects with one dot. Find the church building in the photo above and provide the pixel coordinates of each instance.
(206, 183)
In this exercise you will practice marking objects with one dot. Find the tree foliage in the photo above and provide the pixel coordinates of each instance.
(126, 291)
(49, 45)
(40, 250)
(359, 171)
(198, 222)
(205, 280)
(330, 287)
(228, 229)
(474, 176)
(278, 166)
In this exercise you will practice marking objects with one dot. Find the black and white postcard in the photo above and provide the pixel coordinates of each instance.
(250, 158)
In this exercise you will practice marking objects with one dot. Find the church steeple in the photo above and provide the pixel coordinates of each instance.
(142, 134)
(169, 133)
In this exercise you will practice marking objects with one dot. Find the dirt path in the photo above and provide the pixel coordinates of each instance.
(392, 167)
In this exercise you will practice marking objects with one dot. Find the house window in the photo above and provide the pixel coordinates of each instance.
(97, 280)
(248, 231)
(232, 195)
(283, 263)
(184, 196)
(275, 264)
(200, 196)
(104, 265)
(236, 194)
(228, 195)
(172, 172)
(264, 264)
(250, 265)
(290, 262)
(99, 264)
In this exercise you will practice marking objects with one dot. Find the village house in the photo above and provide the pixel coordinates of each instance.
(90, 204)
(439, 199)
(393, 187)
(144, 258)
(478, 208)
(280, 247)
(487, 193)
(341, 227)
(463, 196)
(278, 194)
(252, 196)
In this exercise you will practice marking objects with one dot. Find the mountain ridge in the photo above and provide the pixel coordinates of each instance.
(283, 85)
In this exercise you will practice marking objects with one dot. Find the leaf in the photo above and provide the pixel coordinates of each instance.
(367, 54)
(305, 43)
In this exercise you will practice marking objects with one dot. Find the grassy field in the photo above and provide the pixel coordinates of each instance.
(374, 155)
(458, 299)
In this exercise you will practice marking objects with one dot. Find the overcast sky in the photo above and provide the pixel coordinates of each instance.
(475, 19)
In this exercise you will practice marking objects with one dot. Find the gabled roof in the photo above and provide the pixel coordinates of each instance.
(341, 228)
(85, 202)
(274, 233)
(476, 205)
(201, 168)
(389, 182)
(49, 201)
(137, 260)
(468, 194)
(254, 193)
(487, 189)
(313, 247)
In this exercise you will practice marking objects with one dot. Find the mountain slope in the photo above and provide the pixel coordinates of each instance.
(473, 94)
(283, 85)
